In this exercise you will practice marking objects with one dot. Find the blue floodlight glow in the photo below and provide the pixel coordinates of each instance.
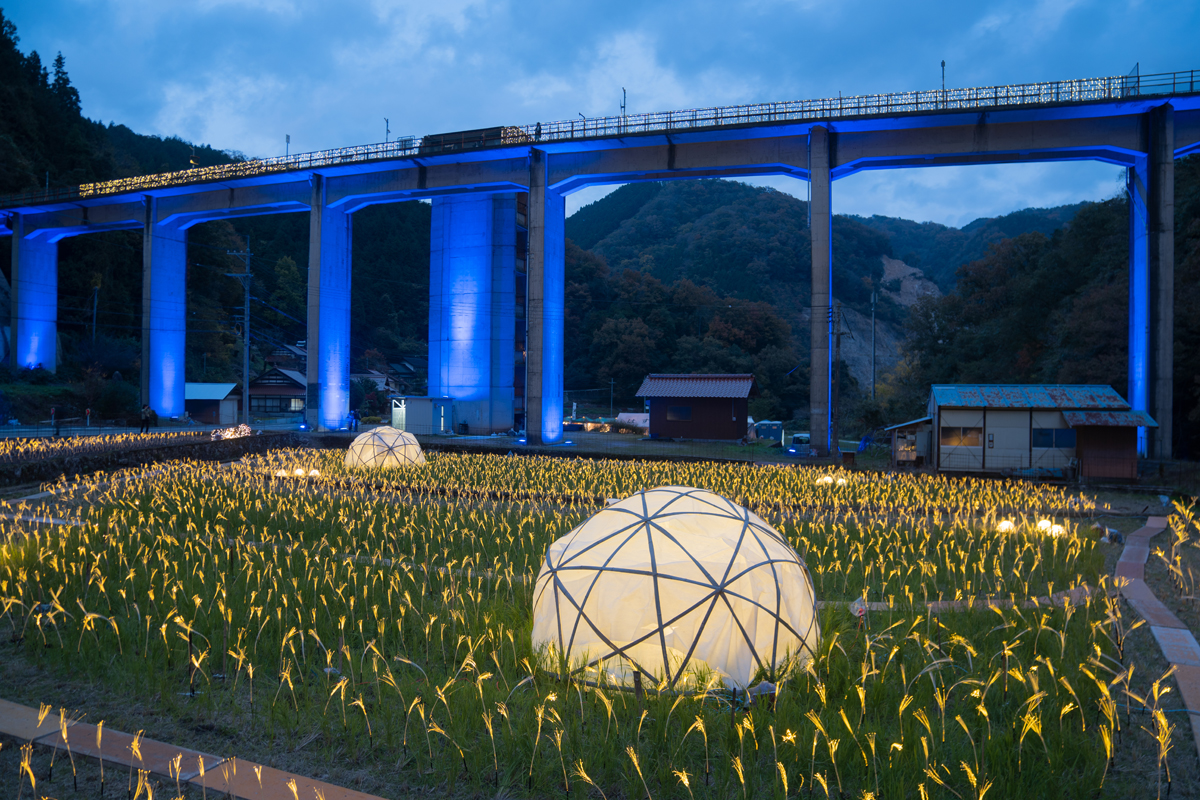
(333, 325)
(165, 260)
(460, 252)
(1139, 303)
(35, 296)
(472, 316)
(553, 313)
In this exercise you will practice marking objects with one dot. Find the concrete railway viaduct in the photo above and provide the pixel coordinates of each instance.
(481, 266)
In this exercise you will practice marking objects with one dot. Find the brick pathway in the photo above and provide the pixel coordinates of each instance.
(1177, 643)
(231, 777)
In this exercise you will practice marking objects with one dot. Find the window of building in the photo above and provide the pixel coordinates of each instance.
(679, 413)
(961, 437)
(275, 404)
(1054, 437)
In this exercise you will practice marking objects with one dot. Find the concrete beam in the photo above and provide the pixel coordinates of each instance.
(329, 256)
(1187, 133)
(355, 192)
(186, 210)
(821, 216)
(545, 302)
(61, 223)
(164, 313)
(1119, 159)
(34, 300)
(670, 161)
(1121, 137)
(472, 316)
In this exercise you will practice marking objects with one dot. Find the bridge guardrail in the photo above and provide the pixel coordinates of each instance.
(967, 99)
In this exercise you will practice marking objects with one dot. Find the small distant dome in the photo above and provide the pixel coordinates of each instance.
(385, 447)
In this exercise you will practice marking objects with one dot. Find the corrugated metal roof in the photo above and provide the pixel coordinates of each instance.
(1110, 419)
(698, 386)
(277, 376)
(910, 422)
(207, 391)
(1027, 396)
(298, 377)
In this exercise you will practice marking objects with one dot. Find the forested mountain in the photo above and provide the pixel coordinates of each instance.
(939, 250)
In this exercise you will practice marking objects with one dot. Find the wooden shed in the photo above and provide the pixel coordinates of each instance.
(698, 406)
(1035, 430)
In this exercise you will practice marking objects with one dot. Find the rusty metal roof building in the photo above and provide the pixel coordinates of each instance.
(736, 386)
(1055, 396)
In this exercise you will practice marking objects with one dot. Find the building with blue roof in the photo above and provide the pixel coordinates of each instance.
(1018, 429)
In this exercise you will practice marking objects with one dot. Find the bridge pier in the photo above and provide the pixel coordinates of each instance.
(821, 216)
(472, 314)
(1151, 192)
(34, 328)
(545, 302)
(164, 313)
(329, 258)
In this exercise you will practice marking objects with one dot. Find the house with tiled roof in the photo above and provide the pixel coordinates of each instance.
(708, 407)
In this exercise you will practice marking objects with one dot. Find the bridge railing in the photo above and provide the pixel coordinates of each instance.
(968, 99)
(399, 148)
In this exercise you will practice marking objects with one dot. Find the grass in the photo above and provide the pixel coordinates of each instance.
(382, 621)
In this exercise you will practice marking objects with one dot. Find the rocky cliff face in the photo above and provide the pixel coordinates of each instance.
(905, 285)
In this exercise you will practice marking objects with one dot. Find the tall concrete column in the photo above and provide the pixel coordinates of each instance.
(472, 289)
(1160, 237)
(328, 372)
(545, 303)
(34, 302)
(164, 313)
(821, 213)
(1139, 300)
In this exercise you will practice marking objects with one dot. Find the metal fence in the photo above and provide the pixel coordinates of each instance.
(1082, 90)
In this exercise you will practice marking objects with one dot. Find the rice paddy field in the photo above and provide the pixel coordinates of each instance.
(378, 623)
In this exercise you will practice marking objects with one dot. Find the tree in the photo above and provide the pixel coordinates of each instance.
(67, 95)
(624, 351)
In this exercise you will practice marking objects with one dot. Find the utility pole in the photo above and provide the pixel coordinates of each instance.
(873, 295)
(612, 384)
(245, 278)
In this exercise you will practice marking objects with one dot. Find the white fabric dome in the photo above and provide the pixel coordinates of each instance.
(672, 581)
(385, 447)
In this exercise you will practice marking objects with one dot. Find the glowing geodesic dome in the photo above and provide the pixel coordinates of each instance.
(385, 447)
(675, 582)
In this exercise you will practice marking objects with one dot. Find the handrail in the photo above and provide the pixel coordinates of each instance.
(1082, 90)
